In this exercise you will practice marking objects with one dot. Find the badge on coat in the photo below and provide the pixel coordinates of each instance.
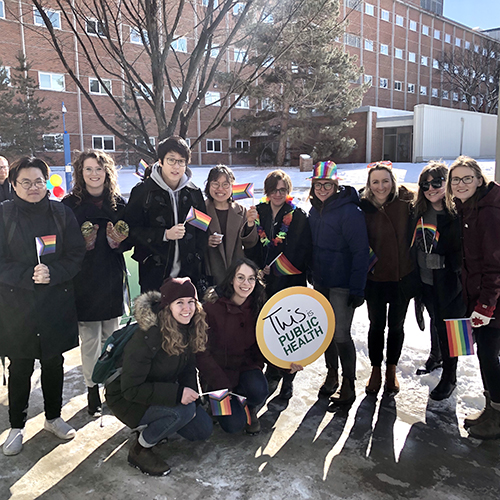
(295, 325)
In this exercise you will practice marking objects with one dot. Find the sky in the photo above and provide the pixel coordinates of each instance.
(474, 13)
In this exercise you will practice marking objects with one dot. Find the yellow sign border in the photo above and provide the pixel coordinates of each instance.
(295, 290)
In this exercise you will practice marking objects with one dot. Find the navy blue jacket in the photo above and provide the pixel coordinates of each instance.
(340, 243)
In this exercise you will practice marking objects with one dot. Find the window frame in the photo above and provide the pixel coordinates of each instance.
(241, 103)
(103, 138)
(52, 77)
(369, 6)
(213, 98)
(55, 136)
(412, 57)
(99, 27)
(423, 90)
(367, 45)
(214, 141)
(49, 12)
(101, 89)
(385, 15)
(411, 88)
(2, 9)
(242, 147)
(179, 45)
(424, 60)
(401, 51)
(413, 25)
(425, 30)
(384, 81)
(384, 49)
(400, 21)
(397, 84)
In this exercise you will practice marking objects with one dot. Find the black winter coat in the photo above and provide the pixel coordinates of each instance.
(6, 191)
(99, 284)
(38, 321)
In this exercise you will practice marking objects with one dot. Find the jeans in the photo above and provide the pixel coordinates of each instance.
(252, 385)
(488, 350)
(52, 378)
(190, 421)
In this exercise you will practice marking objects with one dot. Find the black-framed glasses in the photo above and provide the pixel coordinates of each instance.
(435, 183)
(38, 183)
(173, 161)
(279, 192)
(318, 186)
(468, 179)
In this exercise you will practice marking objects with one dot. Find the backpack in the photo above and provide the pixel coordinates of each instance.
(107, 367)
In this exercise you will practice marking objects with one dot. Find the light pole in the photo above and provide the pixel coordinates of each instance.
(67, 151)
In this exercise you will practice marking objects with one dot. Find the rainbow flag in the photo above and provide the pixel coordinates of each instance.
(220, 402)
(243, 402)
(459, 337)
(141, 169)
(284, 267)
(198, 219)
(242, 191)
(372, 259)
(45, 244)
(419, 231)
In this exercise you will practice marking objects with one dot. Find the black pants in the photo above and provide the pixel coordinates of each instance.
(379, 295)
(20, 371)
(488, 350)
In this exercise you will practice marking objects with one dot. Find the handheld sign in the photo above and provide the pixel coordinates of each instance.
(295, 325)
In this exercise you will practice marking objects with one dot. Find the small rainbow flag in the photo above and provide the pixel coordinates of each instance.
(243, 402)
(372, 259)
(220, 402)
(45, 244)
(459, 337)
(242, 191)
(419, 231)
(198, 219)
(284, 266)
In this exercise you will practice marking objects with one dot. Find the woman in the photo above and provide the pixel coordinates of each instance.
(96, 202)
(232, 359)
(230, 228)
(478, 205)
(157, 389)
(340, 265)
(281, 228)
(436, 249)
(390, 283)
(37, 305)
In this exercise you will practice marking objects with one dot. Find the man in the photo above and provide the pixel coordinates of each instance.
(5, 189)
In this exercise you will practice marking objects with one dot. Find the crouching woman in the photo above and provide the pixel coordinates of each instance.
(157, 389)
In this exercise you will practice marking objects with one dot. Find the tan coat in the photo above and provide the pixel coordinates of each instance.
(220, 258)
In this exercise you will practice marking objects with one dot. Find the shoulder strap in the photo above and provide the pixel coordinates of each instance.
(9, 222)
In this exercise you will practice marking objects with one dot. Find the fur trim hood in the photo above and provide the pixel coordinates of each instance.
(146, 308)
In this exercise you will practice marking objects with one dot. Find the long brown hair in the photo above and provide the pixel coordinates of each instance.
(368, 193)
(437, 170)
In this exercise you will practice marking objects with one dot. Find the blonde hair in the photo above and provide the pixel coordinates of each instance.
(174, 343)
(368, 193)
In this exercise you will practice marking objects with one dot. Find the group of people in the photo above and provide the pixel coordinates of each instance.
(383, 245)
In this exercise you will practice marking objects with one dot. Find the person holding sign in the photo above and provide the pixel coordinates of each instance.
(230, 228)
(232, 359)
(157, 389)
(41, 251)
(340, 265)
(478, 204)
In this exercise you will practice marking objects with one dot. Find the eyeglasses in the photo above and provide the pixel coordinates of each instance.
(241, 279)
(279, 192)
(318, 186)
(468, 179)
(173, 161)
(38, 183)
(435, 183)
(4, 167)
(90, 170)
(218, 185)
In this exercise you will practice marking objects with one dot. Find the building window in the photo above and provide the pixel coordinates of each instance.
(142, 143)
(384, 15)
(384, 83)
(476, 48)
(400, 20)
(238, 8)
(437, 34)
(53, 142)
(446, 66)
(423, 90)
(413, 25)
(464, 98)
(398, 86)
(267, 104)
(369, 9)
(412, 57)
(435, 92)
(458, 42)
(424, 61)
(212, 98)
(214, 145)
(95, 27)
(369, 45)
(411, 88)
(51, 81)
(95, 86)
(243, 146)
(354, 4)
(425, 30)
(473, 100)
(135, 36)
(6, 69)
(180, 44)
(2, 9)
(435, 64)
(447, 38)
(143, 90)
(239, 55)
(398, 53)
(206, 2)
(352, 40)
(369, 80)
(485, 52)
(243, 103)
(214, 51)
(384, 49)
(455, 96)
(467, 44)
(446, 94)
(103, 142)
(54, 17)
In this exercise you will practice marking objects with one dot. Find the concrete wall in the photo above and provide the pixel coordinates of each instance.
(447, 133)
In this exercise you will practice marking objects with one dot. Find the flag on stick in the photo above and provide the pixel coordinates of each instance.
(242, 191)
(459, 333)
(141, 169)
(198, 219)
(243, 402)
(45, 245)
(284, 267)
(220, 402)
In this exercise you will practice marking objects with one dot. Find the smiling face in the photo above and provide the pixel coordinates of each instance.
(277, 197)
(243, 283)
(464, 191)
(380, 185)
(183, 309)
(94, 176)
(32, 177)
(435, 195)
(220, 189)
(173, 166)
(324, 188)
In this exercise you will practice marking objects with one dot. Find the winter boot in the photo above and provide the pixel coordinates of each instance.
(373, 385)
(430, 365)
(480, 417)
(446, 385)
(391, 381)
(146, 461)
(94, 408)
(489, 428)
(331, 383)
(254, 427)
(346, 395)
(286, 392)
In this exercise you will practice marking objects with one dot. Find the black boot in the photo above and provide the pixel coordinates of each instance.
(286, 392)
(346, 394)
(448, 381)
(430, 365)
(481, 416)
(331, 383)
(94, 401)
(146, 461)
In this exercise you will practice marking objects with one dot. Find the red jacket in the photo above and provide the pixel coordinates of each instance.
(232, 346)
(480, 221)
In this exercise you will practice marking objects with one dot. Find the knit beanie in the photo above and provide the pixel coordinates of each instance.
(175, 288)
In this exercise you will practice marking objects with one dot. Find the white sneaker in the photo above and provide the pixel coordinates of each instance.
(14, 442)
(60, 428)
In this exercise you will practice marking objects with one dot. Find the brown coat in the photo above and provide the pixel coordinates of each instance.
(220, 258)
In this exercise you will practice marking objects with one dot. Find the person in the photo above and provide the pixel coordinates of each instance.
(232, 359)
(230, 228)
(281, 228)
(96, 202)
(391, 281)
(5, 187)
(478, 204)
(339, 269)
(163, 245)
(157, 392)
(437, 252)
(37, 305)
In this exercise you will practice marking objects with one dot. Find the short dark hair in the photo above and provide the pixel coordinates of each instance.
(174, 143)
(214, 174)
(272, 180)
(27, 162)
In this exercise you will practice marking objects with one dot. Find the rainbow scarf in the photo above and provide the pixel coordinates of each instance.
(242, 191)
(45, 244)
(198, 219)
(220, 402)
(459, 333)
(420, 229)
(284, 267)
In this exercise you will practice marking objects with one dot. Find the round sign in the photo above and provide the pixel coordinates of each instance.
(295, 325)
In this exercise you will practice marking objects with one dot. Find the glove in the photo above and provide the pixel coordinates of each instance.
(89, 232)
(117, 233)
(355, 301)
(481, 316)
